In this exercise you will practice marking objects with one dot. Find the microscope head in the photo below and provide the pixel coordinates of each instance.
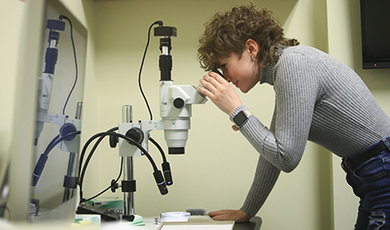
(176, 111)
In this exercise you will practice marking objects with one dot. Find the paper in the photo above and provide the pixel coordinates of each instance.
(198, 227)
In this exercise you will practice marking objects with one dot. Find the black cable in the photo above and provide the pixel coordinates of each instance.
(165, 165)
(49, 146)
(38, 169)
(75, 61)
(159, 148)
(58, 140)
(80, 180)
(103, 134)
(142, 64)
(86, 145)
(84, 168)
(5, 208)
(61, 139)
(105, 190)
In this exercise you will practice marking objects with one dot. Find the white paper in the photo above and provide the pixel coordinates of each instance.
(198, 227)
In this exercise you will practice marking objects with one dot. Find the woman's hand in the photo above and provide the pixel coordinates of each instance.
(220, 92)
(236, 215)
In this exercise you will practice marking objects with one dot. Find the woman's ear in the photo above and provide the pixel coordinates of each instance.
(252, 46)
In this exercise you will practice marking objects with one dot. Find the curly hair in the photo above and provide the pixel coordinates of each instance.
(228, 32)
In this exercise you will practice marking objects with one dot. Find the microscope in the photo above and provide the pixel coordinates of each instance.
(175, 113)
(132, 137)
(68, 138)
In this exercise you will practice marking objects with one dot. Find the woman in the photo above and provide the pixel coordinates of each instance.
(317, 98)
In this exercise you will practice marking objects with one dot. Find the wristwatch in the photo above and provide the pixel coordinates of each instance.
(241, 118)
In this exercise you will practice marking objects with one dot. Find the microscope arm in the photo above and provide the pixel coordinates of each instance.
(65, 123)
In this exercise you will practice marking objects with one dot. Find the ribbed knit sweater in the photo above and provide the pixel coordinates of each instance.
(317, 98)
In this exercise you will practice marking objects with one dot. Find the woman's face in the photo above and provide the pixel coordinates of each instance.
(242, 72)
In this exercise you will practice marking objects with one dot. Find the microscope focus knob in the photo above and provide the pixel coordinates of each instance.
(178, 103)
(136, 134)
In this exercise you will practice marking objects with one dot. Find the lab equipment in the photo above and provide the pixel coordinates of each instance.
(24, 149)
(175, 107)
(4, 191)
(218, 71)
(175, 111)
(46, 79)
(133, 137)
(69, 128)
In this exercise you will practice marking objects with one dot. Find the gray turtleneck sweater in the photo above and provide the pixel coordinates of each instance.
(317, 98)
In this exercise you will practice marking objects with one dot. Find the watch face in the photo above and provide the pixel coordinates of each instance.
(240, 118)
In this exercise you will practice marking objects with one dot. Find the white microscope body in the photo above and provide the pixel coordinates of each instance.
(175, 111)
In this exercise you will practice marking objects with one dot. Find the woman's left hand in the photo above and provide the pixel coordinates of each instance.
(235, 215)
(220, 92)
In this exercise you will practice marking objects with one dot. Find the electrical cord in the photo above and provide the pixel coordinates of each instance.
(157, 173)
(58, 140)
(75, 61)
(165, 165)
(83, 151)
(159, 148)
(84, 168)
(160, 23)
(44, 156)
(50, 145)
(105, 190)
(102, 134)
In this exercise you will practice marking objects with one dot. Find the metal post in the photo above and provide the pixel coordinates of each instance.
(72, 165)
(128, 170)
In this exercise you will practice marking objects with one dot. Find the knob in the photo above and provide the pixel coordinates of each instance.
(135, 134)
(178, 103)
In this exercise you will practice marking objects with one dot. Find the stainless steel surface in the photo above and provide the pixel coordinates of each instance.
(128, 169)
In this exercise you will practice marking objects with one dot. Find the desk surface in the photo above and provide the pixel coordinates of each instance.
(254, 224)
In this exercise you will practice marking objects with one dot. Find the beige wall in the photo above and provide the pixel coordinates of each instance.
(9, 46)
(345, 45)
(219, 164)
